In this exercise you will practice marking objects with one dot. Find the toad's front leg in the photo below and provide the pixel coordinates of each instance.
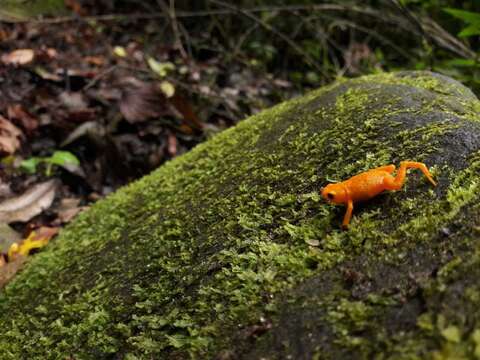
(348, 214)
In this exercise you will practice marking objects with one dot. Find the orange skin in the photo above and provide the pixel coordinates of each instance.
(370, 183)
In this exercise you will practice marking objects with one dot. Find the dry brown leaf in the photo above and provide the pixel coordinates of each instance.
(51, 53)
(68, 209)
(19, 57)
(46, 75)
(8, 236)
(73, 100)
(142, 101)
(45, 54)
(37, 239)
(29, 204)
(4, 35)
(5, 190)
(76, 7)
(90, 128)
(356, 55)
(45, 232)
(10, 137)
(172, 144)
(8, 271)
(17, 253)
(95, 60)
(18, 115)
(186, 109)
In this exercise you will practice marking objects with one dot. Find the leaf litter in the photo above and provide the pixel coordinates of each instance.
(87, 107)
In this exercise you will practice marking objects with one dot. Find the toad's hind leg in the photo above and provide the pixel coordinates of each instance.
(388, 168)
(396, 183)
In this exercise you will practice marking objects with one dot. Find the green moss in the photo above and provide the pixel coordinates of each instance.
(185, 262)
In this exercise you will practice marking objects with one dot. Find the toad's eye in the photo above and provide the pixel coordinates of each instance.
(331, 196)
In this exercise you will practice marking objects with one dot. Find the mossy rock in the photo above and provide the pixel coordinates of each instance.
(228, 252)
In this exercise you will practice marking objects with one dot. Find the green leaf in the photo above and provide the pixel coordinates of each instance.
(459, 62)
(63, 158)
(467, 16)
(470, 30)
(30, 165)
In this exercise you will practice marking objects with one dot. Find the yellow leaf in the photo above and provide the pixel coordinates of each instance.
(167, 88)
(36, 240)
(160, 68)
(120, 51)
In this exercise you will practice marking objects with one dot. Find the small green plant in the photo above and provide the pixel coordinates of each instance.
(64, 159)
(465, 68)
(472, 19)
(264, 52)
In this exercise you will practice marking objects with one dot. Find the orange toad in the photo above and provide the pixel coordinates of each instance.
(368, 184)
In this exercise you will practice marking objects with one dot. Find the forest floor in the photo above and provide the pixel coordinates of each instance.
(94, 100)
(88, 105)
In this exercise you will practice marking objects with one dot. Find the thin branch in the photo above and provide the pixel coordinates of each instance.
(276, 32)
(419, 26)
(186, 36)
(170, 11)
(322, 35)
(375, 35)
(444, 39)
(204, 13)
(432, 32)
(98, 77)
(241, 40)
(410, 18)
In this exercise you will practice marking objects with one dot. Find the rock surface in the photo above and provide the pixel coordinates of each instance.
(227, 252)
